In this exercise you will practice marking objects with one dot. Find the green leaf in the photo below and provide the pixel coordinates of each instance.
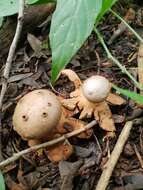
(72, 23)
(30, 2)
(2, 185)
(8, 7)
(1, 21)
(134, 96)
(107, 4)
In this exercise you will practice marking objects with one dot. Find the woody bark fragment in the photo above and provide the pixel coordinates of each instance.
(140, 65)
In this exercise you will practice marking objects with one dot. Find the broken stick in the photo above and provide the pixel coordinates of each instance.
(16, 156)
(111, 163)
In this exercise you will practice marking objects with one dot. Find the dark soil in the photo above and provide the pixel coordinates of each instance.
(30, 72)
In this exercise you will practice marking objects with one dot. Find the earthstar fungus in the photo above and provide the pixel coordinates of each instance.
(91, 98)
(39, 116)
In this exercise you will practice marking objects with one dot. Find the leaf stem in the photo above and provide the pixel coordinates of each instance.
(127, 25)
(111, 57)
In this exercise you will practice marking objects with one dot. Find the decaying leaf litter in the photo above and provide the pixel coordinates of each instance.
(83, 168)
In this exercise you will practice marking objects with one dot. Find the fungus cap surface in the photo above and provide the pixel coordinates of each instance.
(37, 114)
(96, 88)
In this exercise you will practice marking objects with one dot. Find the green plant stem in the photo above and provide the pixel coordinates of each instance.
(110, 56)
(127, 25)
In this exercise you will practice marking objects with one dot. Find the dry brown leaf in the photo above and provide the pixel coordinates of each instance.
(35, 43)
(60, 151)
(19, 77)
(130, 15)
(30, 82)
(17, 186)
(9, 167)
(13, 185)
(118, 118)
(68, 170)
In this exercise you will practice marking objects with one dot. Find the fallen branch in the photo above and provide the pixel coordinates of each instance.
(12, 51)
(140, 68)
(46, 144)
(138, 156)
(9, 60)
(107, 172)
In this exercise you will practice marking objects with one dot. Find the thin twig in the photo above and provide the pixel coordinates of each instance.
(12, 50)
(138, 155)
(111, 57)
(46, 144)
(129, 17)
(127, 25)
(111, 163)
(9, 60)
(140, 65)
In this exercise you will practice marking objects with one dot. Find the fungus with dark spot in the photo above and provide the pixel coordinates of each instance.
(32, 117)
(39, 116)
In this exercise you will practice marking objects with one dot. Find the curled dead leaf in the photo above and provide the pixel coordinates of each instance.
(60, 151)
